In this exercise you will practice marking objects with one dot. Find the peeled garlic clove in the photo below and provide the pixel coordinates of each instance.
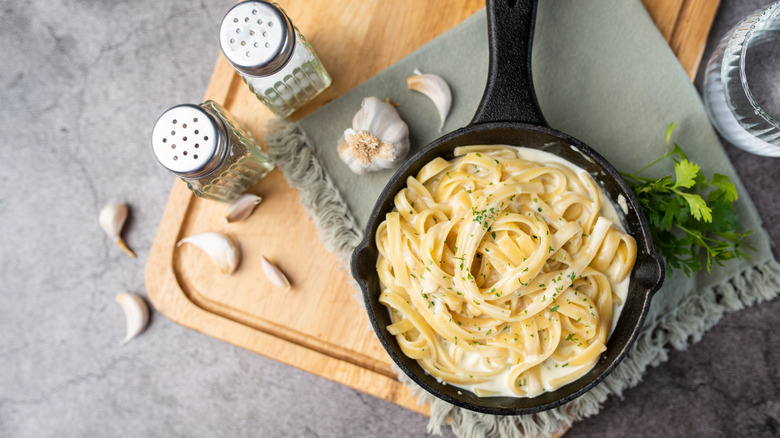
(136, 313)
(436, 89)
(274, 275)
(221, 248)
(111, 219)
(377, 139)
(242, 207)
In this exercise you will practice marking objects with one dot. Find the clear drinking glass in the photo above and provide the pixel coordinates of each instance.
(741, 91)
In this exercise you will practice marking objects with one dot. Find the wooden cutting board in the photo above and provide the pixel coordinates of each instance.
(319, 325)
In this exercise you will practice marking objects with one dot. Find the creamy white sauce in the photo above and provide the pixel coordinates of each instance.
(576, 149)
(621, 201)
(500, 384)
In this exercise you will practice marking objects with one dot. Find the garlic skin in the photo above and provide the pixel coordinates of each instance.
(219, 247)
(242, 207)
(111, 219)
(378, 139)
(275, 275)
(436, 89)
(136, 314)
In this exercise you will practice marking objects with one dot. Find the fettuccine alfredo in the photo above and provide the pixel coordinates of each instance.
(503, 269)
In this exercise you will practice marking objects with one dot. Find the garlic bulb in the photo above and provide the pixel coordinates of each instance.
(221, 248)
(377, 140)
(274, 274)
(242, 207)
(111, 219)
(136, 314)
(436, 89)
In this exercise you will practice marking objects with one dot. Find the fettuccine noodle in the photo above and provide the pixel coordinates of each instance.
(503, 275)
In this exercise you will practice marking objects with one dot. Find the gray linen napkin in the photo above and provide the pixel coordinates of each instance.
(603, 74)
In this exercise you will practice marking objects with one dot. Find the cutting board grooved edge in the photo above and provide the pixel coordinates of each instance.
(276, 330)
(169, 298)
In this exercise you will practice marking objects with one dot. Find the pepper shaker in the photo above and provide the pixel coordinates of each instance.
(207, 148)
(271, 56)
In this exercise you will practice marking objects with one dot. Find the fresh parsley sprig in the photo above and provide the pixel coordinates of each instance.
(689, 214)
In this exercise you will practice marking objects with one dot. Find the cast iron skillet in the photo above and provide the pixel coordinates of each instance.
(509, 114)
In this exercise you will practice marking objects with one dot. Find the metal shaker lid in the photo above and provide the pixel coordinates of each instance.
(257, 38)
(188, 141)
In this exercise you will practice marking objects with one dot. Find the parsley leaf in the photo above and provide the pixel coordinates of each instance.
(685, 174)
(691, 218)
(697, 206)
(724, 184)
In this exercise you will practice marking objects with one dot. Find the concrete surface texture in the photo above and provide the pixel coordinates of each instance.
(82, 83)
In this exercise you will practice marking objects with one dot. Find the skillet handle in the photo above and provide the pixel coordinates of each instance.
(509, 94)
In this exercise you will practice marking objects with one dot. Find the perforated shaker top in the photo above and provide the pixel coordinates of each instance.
(257, 38)
(187, 141)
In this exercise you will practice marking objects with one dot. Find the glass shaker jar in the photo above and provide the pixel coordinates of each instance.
(206, 147)
(272, 57)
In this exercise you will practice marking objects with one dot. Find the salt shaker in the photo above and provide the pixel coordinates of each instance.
(272, 57)
(207, 148)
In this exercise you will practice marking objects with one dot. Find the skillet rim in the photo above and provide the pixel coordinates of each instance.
(647, 275)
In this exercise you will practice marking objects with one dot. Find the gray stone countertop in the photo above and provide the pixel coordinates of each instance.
(82, 83)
